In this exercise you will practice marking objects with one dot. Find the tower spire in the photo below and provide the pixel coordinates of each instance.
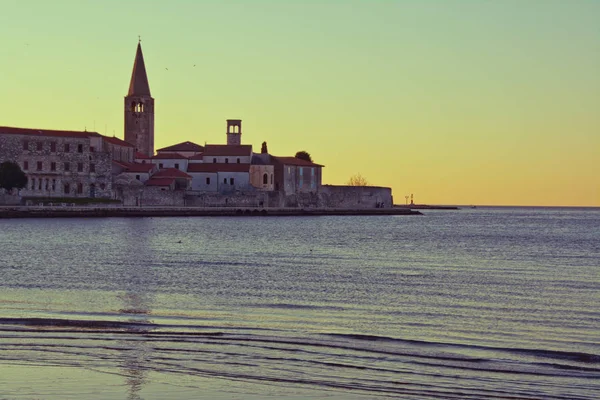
(139, 108)
(139, 80)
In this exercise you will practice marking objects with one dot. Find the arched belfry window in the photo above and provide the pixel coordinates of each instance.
(265, 179)
(133, 106)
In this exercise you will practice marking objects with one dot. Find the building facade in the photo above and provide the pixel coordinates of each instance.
(59, 163)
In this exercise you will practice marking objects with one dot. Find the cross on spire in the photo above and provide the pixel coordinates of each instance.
(139, 39)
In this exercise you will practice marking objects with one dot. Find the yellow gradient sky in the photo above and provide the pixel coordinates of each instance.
(459, 102)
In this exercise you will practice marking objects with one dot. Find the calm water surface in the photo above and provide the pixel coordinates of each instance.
(486, 303)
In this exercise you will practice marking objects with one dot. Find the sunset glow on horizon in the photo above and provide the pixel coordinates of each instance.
(456, 102)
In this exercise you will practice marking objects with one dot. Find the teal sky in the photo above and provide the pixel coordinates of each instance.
(458, 102)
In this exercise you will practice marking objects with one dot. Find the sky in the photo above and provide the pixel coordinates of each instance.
(454, 101)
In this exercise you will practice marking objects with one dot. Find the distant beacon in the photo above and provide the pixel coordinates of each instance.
(234, 132)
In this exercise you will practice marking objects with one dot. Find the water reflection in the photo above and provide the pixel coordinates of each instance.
(136, 282)
(136, 351)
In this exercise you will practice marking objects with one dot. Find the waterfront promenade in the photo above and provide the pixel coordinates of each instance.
(120, 211)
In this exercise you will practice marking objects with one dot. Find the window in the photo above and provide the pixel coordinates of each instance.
(231, 181)
(25, 145)
(227, 161)
(176, 165)
(53, 147)
(47, 184)
(225, 181)
(32, 183)
(40, 184)
(67, 149)
(265, 179)
(67, 167)
(92, 167)
(160, 165)
(92, 149)
(25, 165)
(39, 166)
(80, 148)
(208, 180)
(214, 160)
(238, 160)
(40, 146)
(53, 185)
(79, 188)
(79, 167)
(137, 177)
(271, 179)
(102, 186)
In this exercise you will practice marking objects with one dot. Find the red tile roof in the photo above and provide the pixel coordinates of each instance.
(134, 167)
(169, 156)
(183, 146)
(137, 167)
(141, 156)
(227, 150)
(295, 161)
(117, 141)
(198, 156)
(45, 132)
(160, 182)
(171, 173)
(218, 167)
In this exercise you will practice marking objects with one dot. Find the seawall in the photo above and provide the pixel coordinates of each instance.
(100, 212)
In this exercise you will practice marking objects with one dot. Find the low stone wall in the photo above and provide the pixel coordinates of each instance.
(328, 196)
(355, 197)
(149, 196)
(9, 199)
(236, 199)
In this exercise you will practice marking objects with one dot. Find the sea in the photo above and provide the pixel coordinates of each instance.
(476, 303)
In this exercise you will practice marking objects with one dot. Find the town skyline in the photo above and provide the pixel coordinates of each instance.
(524, 132)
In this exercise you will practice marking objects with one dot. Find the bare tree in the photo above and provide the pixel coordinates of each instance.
(358, 180)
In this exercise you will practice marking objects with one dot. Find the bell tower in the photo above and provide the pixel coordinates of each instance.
(139, 108)
(234, 132)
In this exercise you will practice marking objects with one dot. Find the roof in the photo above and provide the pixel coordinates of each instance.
(171, 173)
(198, 156)
(117, 141)
(160, 182)
(227, 150)
(295, 161)
(183, 146)
(139, 80)
(121, 163)
(136, 167)
(169, 156)
(141, 155)
(46, 132)
(218, 167)
(261, 159)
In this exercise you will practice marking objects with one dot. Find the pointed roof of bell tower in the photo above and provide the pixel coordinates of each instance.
(139, 80)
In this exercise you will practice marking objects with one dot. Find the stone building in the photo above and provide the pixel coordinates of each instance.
(87, 164)
(59, 163)
(294, 175)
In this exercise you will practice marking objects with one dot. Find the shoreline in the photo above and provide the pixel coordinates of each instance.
(424, 207)
(107, 212)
